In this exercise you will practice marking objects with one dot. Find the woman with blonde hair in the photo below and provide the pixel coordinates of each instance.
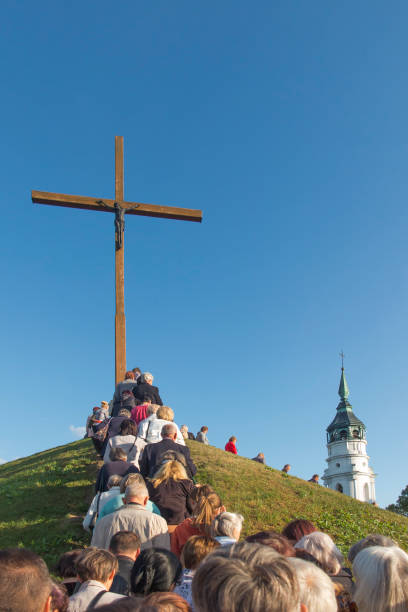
(207, 506)
(381, 575)
(170, 489)
(151, 431)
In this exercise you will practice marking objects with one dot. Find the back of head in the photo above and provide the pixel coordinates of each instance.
(123, 412)
(96, 564)
(66, 565)
(204, 429)
(128, 428)
(374, 539)
(274, 540)
(322, 547)
(155, 569)
(381, 575)
(148, 377)
(168, 430)
(117, 454)
(114, 481)
(131, 479)
(152, 409)
(316, 588)
(124, 543)
(25, 583)
(165, 602)
(170, 470)
(245, 577)
(295, 530)
(136, 491)
(227, 524)
(206, 509)
(165, 413)
(196, 549)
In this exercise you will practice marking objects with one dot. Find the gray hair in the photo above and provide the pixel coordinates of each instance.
(381, 575)
(152, 409)
(114, 480)
(316, 588)
(124, 412)
(148, 376)
(374, 539)
(137, 490)
(226, 523)
(168, 430)
(245, 577)
(130, 479)
(322, 547)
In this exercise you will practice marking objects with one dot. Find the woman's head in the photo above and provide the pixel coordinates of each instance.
(227, 524)
(165, 413)
(381, 575)
(206, 509)
(128, 428)
(170, 470)
(322, 547)
(274, 540)
(232, 439)
(155, 569)
(295, 530)
(196, 549)
(374, 539)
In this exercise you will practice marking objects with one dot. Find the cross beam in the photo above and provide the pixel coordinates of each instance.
(119, 207)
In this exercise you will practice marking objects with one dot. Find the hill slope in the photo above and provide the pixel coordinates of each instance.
(45, 496)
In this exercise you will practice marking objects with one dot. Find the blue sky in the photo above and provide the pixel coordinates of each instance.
(286, 124)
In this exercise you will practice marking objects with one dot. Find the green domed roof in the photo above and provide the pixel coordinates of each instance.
(345, 418)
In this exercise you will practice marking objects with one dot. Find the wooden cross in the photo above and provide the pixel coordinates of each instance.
(120, 207)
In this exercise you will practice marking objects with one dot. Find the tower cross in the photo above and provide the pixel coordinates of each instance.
(119, 207)
(342, 355)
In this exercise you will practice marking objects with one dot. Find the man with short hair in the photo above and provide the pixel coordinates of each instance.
(117, 501)
(153, 453)
(147, 389)
(96, 570)
(133, 516)
(118, 464)
(125, 545)
(25, 583)
(314, 478)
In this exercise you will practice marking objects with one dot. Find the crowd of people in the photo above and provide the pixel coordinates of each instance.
(163, 542)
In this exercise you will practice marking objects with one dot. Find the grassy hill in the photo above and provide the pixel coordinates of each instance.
(44, 498)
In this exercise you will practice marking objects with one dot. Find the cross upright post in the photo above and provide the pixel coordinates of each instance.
(119, 207)
(120, 321)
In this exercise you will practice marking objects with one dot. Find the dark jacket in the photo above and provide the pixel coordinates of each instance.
(152, 454)
(345, 578)
(121, 581)
(117, 396)
(144, 390)
(172, 497)
(113, 467)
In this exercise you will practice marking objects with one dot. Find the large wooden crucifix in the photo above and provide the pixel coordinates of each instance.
(119, 207)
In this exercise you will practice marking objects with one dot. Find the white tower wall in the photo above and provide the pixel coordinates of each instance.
(348, 470)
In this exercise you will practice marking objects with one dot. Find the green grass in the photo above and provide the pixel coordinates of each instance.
(44, 498)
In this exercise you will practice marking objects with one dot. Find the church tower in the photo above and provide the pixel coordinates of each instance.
(348, 470)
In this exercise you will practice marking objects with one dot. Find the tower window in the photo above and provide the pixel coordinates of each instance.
(356, 433)
(339, 488)
(343, 435)
(337, 464)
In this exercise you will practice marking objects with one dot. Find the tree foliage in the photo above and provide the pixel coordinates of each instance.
(401, 506)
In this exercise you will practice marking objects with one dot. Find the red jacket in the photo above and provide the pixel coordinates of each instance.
(139, 413)
(231, 448)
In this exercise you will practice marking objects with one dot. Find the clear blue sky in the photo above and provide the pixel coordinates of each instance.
(287, 124)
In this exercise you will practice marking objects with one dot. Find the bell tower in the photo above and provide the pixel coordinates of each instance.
(348, 470)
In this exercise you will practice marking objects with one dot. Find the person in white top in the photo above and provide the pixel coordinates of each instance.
(150, 430)
(100, 500)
